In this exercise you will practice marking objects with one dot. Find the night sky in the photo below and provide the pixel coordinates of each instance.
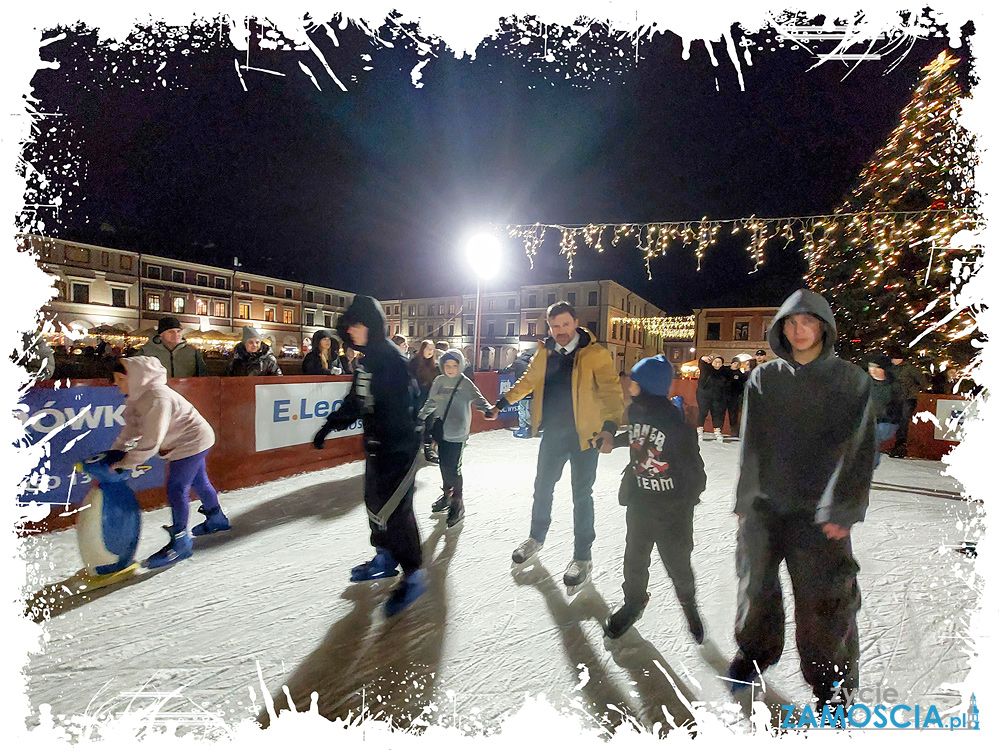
(372, 190)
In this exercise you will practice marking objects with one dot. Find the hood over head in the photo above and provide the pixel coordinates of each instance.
(802, 301)
(456, 356)
(319, 336)
(142, 373)
(365, 310)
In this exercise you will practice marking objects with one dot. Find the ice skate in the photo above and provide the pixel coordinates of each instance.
(431, 454)
(718, 435)
(382, 566)
(409, 589)
(525, 551)
(624, 618)
(456, 512)
(84, 581)
(695, 626)
(701, 434)
(215, 521)
(441, 505)
(174, 551)
(576, 576)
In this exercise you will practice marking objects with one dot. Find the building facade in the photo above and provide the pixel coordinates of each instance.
(732, 331)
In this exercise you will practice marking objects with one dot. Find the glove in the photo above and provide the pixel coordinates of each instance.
(113, 456)
(320, 439)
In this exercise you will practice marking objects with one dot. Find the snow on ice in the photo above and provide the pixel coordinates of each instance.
(273, 596)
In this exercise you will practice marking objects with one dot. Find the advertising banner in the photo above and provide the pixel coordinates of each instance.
(74, 424)
(506, 381)
(950, 414)
(289, 414)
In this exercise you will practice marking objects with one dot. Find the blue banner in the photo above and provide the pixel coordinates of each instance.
(506, 381)
(72, 425)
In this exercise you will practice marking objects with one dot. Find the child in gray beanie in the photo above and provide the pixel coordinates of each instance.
(450, 400)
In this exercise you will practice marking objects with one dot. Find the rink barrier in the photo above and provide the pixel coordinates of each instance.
(233, 463)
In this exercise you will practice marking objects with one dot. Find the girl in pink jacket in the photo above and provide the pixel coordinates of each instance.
(158, 420)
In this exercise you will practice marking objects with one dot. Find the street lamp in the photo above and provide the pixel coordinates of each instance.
(483, 252)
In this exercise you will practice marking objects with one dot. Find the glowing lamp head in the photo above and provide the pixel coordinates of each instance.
(483, 252)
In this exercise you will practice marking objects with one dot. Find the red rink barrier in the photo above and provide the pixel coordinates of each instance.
(229, 406)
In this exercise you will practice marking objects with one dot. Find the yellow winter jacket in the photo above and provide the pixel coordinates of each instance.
(598, 403)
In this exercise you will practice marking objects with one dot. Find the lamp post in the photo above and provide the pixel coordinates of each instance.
(483, 253)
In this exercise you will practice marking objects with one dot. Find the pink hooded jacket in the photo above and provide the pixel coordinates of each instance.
(157, 418)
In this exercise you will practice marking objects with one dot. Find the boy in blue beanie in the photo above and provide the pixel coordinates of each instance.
(660, 488)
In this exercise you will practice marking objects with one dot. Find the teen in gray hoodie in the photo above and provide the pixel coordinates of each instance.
(450, 400)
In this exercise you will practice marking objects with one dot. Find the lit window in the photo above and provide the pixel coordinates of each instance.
(288, 316)
(245, 311)
(178, 305)
(220, 310)
(269, 314)
(153, 302)
(201, 307)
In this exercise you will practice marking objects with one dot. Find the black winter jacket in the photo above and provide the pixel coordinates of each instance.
(809, 440)
(665, 464)
(736, 381)
(383, 395)
(312, 363)
(713, 385)
(260, 363)
(887, 400)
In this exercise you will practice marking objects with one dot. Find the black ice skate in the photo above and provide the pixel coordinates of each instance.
(525, 551)
(456, 512)
(442, 504)
(624, 618)
(695, 626)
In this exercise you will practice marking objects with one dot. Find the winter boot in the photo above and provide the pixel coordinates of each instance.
(215, 521)
(382, 566)
(695, 626)
(718, 434)
(577, 572)
(431, 454)
(742, 674)
(525, 550)
(443, 503)
(624, 618)
(412, 586)
(456, 512)
(176, 550)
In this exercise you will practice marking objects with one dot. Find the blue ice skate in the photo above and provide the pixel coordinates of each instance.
(408, 590)
(215, 521)
(382, 566)
(176, 550)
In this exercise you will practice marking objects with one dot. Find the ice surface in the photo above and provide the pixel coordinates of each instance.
(274, 591)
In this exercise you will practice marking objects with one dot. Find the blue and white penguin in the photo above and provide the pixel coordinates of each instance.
(108, 524)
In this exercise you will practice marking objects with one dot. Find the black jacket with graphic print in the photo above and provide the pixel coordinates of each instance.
(383, 394)
(665, 464)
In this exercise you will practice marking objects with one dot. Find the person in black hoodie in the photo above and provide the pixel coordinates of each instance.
(322, 358)
(384, 397)
(808, 446)
(736, 381)
(660, 488)
(887, 401)
(712, 393)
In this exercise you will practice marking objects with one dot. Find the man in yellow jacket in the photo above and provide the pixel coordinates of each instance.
(578, 403)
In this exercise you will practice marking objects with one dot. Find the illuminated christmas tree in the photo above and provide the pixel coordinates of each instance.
(886, 260)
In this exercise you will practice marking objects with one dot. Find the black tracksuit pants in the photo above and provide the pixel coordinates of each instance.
(383, 474)
(825, 587)
(450, 462)
(670, 526)
(716, 405)
(909, 407)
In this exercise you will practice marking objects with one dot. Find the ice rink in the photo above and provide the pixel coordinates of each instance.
(274, 593)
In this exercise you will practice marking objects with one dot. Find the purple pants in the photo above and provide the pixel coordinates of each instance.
(182, 475)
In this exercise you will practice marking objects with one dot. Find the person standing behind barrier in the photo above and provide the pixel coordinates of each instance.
(179, 358)
(322, 358)
(712, 392)
(579, 405)
(520, 367)
(253, 357)
(911, 382)
(158, 420)
(404, 347)
(806, 461)
(424, 369)
(383, 396)
(887, 402)
(449, 407)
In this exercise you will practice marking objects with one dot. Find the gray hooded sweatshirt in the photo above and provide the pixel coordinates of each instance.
(459, 422)
(808, 433)
(157, 418)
